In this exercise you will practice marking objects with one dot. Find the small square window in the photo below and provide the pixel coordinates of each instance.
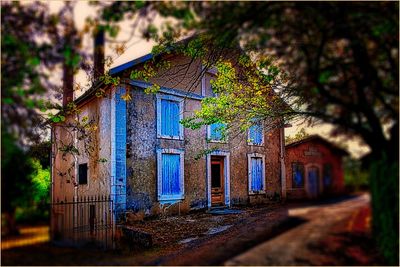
(82, 173)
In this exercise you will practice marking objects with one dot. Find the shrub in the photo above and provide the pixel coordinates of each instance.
(384, 186)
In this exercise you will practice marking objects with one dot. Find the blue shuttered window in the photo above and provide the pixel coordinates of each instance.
(257, 181)
(169, 118)
(170, 174)
(256, 134)
(216, 131)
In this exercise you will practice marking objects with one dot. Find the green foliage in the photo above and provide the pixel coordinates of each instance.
(384, 185)
(25, 184)
(297, 137)
(355, 177)
(15, 170)
(41, 182)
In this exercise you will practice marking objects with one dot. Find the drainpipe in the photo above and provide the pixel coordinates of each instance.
(282, 160)
(76, 164)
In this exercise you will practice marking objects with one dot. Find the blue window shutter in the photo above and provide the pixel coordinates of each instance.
(255, 134)
(215, 131)
(170, 174)
(298, 175)
(257, 182)
(169, 117)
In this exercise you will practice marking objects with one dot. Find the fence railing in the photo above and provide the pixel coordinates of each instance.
(83, 220)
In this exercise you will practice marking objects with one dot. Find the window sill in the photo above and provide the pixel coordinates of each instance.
(170, 199)
(253, 193)
(217, 141)
(251, 144)
(170, 137)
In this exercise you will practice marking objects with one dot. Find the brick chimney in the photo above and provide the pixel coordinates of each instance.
(68, 84)
(98, 69)
(69, 44)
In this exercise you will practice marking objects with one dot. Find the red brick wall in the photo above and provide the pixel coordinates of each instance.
(316, 153)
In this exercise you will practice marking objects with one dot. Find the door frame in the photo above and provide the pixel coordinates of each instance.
(227, 177)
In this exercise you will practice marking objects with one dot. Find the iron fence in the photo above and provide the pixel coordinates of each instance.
(85, 220)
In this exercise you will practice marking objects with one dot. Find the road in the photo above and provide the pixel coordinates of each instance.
(303, 245)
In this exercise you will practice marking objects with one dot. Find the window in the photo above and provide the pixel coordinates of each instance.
(297, 175)
(256, 163)
(169, 113)
(215, 131)
(82, 173)
(256, 135)
(327, 171)
(170, 174)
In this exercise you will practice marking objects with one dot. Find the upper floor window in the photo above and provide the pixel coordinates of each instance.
(256, 134)
(256, 165)
(170, 174)
(297, 175)
(215, 131)
(169, 114)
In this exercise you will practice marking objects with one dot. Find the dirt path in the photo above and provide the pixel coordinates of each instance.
(311, 236)
(29, 235)
(334, 235)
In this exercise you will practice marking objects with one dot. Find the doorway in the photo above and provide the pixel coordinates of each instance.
(313, 181)
(217, 181)
(218, 189)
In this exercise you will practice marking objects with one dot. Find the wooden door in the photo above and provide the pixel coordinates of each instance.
(217, 181)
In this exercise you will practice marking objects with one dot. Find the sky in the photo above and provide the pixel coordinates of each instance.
(136, 46)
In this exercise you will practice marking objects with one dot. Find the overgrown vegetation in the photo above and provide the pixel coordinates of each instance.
(355, 178)
(384, 179)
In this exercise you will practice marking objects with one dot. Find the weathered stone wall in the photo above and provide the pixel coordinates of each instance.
(63, 170)
(94, 150)
(321, 154)
(142, 144)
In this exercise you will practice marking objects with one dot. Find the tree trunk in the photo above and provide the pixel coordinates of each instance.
(11, 226)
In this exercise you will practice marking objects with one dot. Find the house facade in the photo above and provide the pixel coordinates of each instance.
(313, 168)
(140, 155)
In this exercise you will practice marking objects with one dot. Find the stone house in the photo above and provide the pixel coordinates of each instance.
(148, 162)
(314, 168)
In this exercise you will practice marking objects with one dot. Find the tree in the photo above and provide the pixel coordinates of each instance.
(15, 179)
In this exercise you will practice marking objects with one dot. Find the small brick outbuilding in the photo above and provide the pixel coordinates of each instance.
(313, 168)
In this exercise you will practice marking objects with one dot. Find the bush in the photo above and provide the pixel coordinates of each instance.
(355, 178)
(37, 210)
(384, 186)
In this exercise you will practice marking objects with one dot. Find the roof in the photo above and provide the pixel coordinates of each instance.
(144, 58)
(131, 63)
(316, 137)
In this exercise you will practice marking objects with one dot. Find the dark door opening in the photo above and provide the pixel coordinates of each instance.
(217, 181)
